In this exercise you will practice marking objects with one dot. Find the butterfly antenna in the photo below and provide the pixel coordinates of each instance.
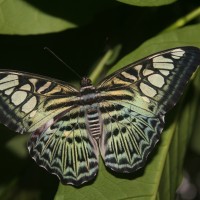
(47, 49)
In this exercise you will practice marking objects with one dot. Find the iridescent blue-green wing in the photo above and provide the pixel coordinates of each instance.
(64, 147)
(27, 101)
(133, 102)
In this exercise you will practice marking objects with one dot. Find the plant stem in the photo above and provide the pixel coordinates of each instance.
(99, 68)
(183, 20)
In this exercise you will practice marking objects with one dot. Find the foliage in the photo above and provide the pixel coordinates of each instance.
(77, 32)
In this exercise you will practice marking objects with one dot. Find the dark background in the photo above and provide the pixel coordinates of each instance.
(80, 48)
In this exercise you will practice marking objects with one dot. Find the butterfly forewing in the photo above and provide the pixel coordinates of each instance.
(157, 78)
(28, 101)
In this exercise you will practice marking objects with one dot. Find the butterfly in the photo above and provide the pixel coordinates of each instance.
(121, 118)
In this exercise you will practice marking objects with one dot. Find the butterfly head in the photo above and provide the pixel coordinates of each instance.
(86, 82)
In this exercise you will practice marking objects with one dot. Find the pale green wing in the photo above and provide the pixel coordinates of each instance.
(28, 101)
(128, 136)
(64, 148)
(133, 102)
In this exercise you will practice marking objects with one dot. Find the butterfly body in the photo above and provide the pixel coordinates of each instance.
(93, 122)
(89, 105)
(121, 118)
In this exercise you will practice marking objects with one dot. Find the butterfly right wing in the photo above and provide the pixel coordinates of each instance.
(28, 101)
(133, 102)
(64, 148)
(158, 80)
(129, 135)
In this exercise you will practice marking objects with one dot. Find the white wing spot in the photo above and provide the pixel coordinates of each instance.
(138, 67)
(164, 72)
(146, 99)
(175, 57)
(129, 76)
(9, 91)
(163, 66)
(29, 105)
(147, 90)
(8, 85)
(147, 72)
(26, 87)
(33, 81)
(178, 52)
(156, 80)
(162, 59)
(160, 62)
(18, 97)
(10, 77)
(44, 87)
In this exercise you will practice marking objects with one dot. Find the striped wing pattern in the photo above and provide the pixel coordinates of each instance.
(66, 149)
(157, 79)
(128, 136)
(122, 117)
(47, 109)
(28, 101)
(134, 101)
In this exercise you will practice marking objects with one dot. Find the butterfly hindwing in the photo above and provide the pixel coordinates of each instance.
(128, 136)
(65, 148)
(28, 101)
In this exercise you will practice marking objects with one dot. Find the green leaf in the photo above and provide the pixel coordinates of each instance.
(194, 143)
(25, 17)
(163, 172)
(147, 2)
(16, 146)
(188, 36)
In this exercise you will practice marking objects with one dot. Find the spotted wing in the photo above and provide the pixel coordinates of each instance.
(28, 101)
(64, 148)
(133, 102)
(158, 78)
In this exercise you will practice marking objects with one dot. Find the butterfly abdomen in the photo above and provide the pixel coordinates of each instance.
(88, 99)
(93, 123)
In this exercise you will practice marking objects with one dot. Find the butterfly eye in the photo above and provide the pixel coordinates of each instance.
(85, 82)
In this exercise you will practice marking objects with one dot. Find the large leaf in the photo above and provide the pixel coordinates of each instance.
(188, 36)
(147, 2)
(162, 174)
(13, 152)
(195, 139)
(36, 17)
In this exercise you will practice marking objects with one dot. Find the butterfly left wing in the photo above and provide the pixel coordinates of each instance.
(27, 101)
(133, 102)
(47, 107)
(64, 148)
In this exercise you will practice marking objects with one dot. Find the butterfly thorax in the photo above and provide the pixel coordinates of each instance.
(88, 93)
(89, 102)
